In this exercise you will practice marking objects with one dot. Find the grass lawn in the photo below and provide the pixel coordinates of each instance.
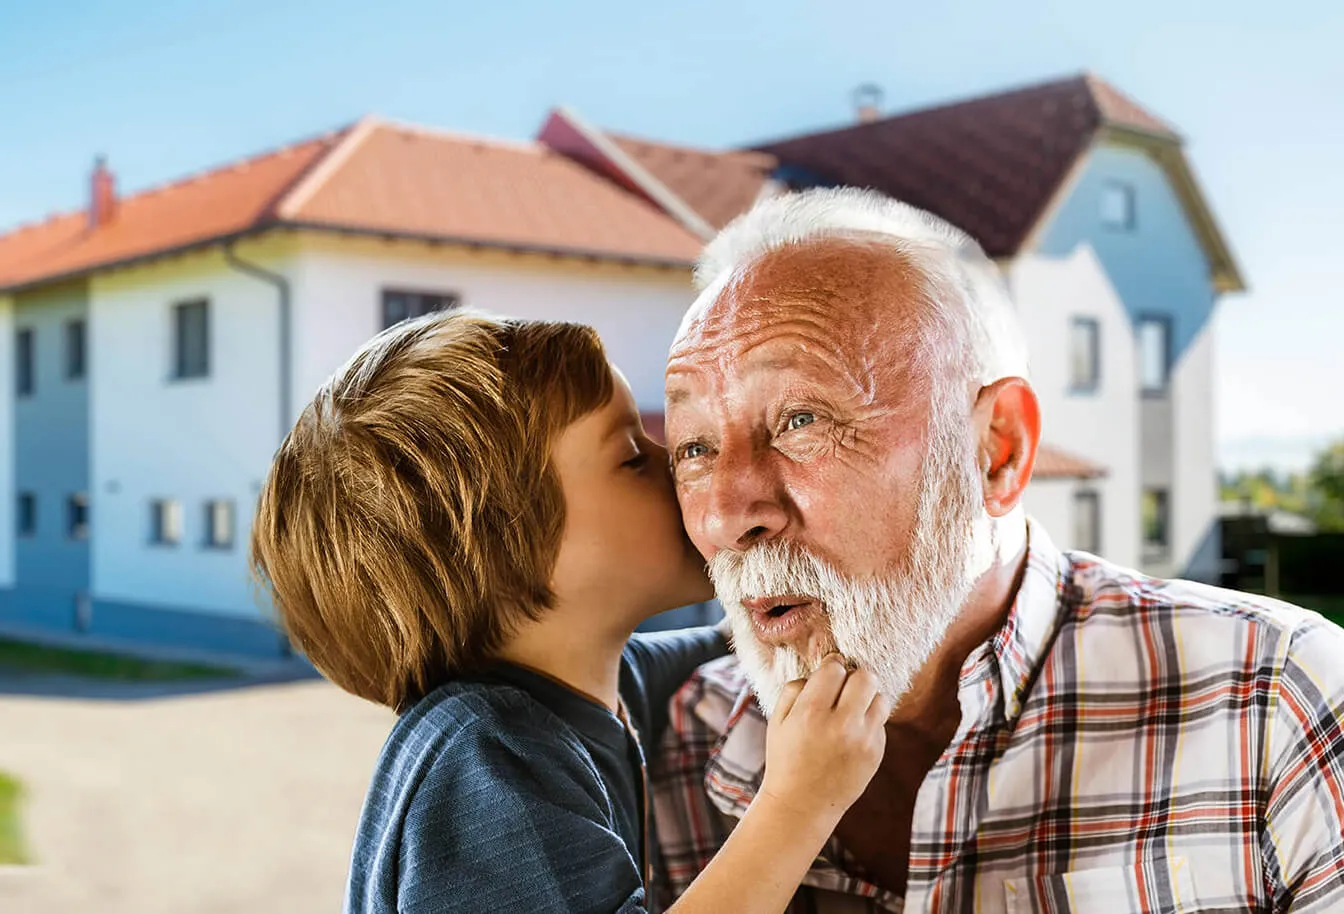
(35, 658)
(11, 836)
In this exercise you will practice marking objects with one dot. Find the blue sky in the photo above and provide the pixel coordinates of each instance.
(168, 88)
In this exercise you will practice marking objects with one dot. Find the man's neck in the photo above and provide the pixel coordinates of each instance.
(932, 697)
(578, 656)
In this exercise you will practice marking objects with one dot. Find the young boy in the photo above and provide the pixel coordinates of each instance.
(467, 524)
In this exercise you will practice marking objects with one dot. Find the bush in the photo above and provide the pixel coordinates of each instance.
(11, 834)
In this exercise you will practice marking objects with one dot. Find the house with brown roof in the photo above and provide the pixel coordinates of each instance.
(1111, 250)
(162, 342)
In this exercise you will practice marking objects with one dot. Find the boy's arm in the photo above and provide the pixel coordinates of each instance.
(513, 824)
(825, 741)
(663, 661)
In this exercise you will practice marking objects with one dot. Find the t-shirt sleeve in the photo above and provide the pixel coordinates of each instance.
(514, 822)
(662, 662)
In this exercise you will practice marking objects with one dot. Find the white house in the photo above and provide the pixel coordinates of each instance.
(1116, 261)
(161, 344)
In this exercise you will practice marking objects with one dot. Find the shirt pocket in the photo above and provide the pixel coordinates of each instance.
(1162, 886)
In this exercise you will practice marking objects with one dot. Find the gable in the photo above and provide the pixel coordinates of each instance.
(1160, 265)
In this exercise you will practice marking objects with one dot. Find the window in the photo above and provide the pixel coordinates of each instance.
(23, 363)
(27, 511)
(219, 524)
(76, 336)
(191, 339)
(1154, 334)
(1117, 206)
(1085, 354)
(1087, 521)
(1156, 515)
(401, 306)
(165, 522)
(77, 516)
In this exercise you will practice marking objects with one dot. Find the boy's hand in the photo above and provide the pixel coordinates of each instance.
(825, 741)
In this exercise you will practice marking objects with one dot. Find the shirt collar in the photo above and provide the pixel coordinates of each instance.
(994, 683)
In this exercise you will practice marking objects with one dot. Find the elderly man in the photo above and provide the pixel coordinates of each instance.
(852, 431)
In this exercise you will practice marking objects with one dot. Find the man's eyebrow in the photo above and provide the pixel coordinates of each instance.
(678, 395)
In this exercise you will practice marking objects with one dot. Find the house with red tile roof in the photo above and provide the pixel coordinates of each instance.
(1115, 260)
(162, 342)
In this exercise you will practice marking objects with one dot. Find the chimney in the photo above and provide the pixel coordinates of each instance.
(868, 103)
(102, 194)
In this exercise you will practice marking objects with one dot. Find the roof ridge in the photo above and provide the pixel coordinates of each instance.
(301, 190)
(1097, 85)
(764, 158)
(942, 106)
(333, 136)
(648, 183)
(462, 136)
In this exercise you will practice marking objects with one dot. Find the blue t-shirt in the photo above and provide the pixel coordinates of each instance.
(510, 792)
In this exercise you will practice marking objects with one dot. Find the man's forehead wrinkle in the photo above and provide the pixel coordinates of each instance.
(852, 304)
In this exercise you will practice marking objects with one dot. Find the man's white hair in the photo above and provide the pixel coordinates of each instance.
(965, 295)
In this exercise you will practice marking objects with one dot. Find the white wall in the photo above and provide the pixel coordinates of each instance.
(1101, 426)
(153, 437)
(338, 283)
(1194, 506)
(1049, 502)
(7, 502)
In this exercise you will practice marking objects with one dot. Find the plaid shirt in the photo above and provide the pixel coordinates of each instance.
(1126, 745)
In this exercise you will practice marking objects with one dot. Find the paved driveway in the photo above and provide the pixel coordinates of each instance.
(232, 801)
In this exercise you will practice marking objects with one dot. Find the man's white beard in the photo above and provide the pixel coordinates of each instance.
(888, 624)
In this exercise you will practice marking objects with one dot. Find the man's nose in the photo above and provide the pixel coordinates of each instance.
(745, 504)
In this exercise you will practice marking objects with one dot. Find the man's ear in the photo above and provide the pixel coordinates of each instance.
(1007, 419)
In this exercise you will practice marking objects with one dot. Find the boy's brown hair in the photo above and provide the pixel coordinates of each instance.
(411, 517)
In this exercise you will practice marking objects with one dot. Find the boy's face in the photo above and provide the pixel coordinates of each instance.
(624, 549)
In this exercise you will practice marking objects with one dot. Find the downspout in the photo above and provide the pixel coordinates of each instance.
(283, 300)
(281, 284)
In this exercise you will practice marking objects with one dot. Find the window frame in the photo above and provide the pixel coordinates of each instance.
(210, 540)
(450, 302)
(1168, 353)
(179, 369)
(74, 502)
(1092, 496)
(1155, 548)
(74, 369)
(25, 509)
(158, 529)
(25, 361)
(1129, 194)
(1093, 385)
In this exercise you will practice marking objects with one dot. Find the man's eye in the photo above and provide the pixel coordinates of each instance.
(693, 450)
(800, 420)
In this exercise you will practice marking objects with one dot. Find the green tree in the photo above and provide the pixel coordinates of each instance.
(1327, 487)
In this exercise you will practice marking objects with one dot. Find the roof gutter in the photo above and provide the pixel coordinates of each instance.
(284, 309)
(597, 256)
(200, 244)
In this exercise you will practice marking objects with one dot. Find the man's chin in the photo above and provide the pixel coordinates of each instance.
(771, 667)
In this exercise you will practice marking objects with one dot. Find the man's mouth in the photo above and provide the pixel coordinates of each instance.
(783, 618)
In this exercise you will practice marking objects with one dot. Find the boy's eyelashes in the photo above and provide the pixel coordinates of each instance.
(637, 461)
